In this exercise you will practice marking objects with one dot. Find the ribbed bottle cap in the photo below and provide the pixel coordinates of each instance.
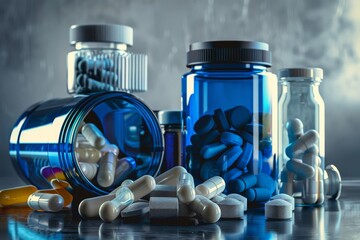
(315, 73)
(101, 33)
(169, 117)
(228, 52)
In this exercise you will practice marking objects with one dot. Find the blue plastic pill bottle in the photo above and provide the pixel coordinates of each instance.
(229, 104)
(45, 139)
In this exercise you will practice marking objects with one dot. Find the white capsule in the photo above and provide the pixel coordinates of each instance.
(110, 210)
(301, 170)
(185, 188)
(310, 186)
(106, 172)
(287, 182)
(126, 182)
(124, 167)
(209, 211)
(89, 207)
(45, 202)
(321, 192)
(88, 169)
(295, 129)
(93, 135)
(110, 148)
(211, 187)
(142, 186)
(81, 142)
(302, 144)
(164, 191)
(88, 155)
(125, 196)
(170, 177)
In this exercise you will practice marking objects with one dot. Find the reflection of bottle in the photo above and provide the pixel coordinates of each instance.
(170, 122)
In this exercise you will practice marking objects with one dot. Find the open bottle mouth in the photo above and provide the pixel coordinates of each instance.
(92, 142)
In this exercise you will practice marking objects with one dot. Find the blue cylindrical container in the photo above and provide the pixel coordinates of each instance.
(46, 136)
(229, 103)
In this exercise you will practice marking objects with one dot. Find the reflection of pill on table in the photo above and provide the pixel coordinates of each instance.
(238, 116)
(278, 209)
(231, 139)
(245, 157)
(231, 208)
(136, 209)
(212, 150)
(221, 121)
(242, 183)
(204, 124)
(257, 194)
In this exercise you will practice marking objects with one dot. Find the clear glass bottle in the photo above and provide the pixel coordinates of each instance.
(300, 103)
(229, 103)
(48, 141)
(170, 122)
(101, 62)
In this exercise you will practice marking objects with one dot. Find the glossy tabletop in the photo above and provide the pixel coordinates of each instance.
(334, 220)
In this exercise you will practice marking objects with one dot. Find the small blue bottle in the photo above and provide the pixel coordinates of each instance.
(229, 104)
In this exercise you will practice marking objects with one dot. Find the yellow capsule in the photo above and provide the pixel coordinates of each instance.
(62, 192)
(16, 196)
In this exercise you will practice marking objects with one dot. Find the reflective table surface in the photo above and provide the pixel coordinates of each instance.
(337, 219)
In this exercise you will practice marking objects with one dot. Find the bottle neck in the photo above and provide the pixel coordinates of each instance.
(299, 89)
(100, 45)
(230, 67)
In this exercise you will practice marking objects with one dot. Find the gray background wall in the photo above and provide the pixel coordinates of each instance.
(323, 33)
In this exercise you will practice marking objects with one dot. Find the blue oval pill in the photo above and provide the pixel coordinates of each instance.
(247, 137)
(209, 170)
(231, 139)
(257, 194)
(244, 182)
(231, 155)
(232, 174)
(265, 181)
(204, 124)
(221, 120)
(212, 150)
(239, 116)
(245, 157)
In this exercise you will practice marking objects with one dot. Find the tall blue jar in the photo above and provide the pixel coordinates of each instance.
(229, 104)
(45, 136)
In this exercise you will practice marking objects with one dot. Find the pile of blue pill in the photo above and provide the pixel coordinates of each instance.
(224, 146)
(94, 75)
